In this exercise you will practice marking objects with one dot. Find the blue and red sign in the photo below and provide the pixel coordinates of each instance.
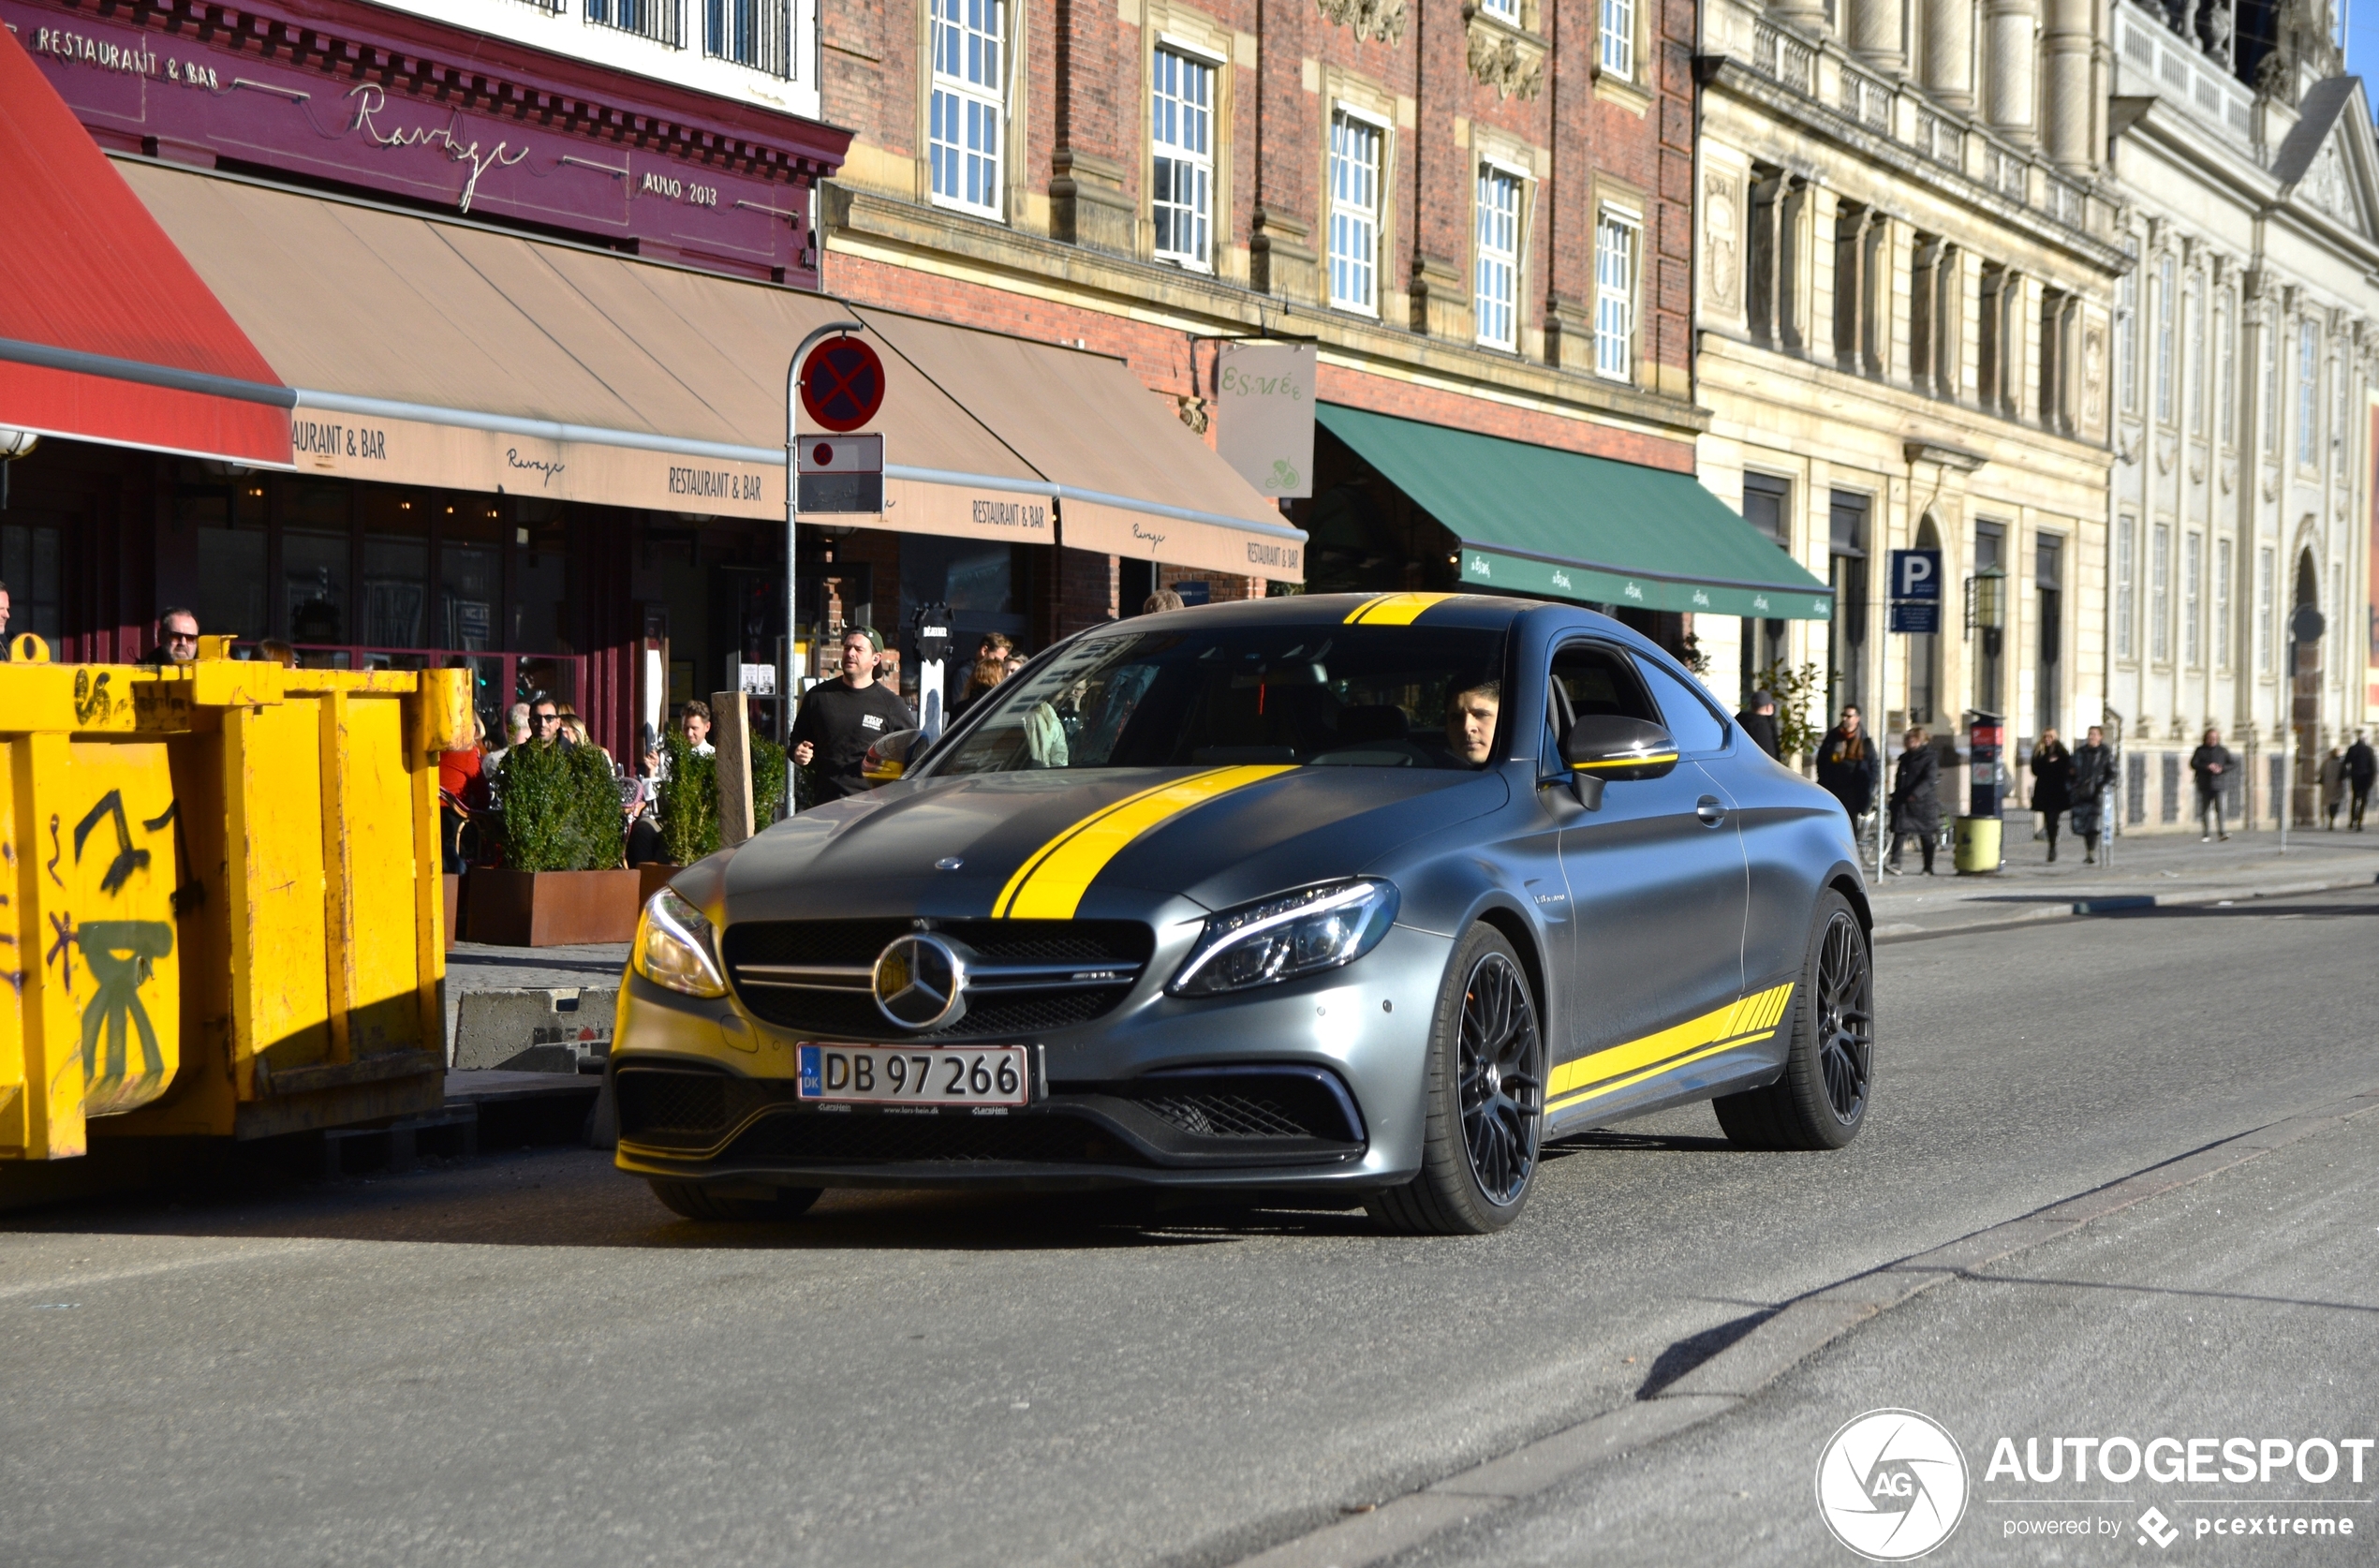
(842, 385)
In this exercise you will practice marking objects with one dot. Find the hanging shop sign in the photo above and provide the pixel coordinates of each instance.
(1263, 415)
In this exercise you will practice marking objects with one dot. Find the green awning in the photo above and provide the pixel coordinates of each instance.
(1534, 520)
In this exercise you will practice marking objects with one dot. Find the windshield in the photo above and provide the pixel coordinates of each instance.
(1349, 696)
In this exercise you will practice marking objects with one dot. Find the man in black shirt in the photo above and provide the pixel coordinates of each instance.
(840, 719)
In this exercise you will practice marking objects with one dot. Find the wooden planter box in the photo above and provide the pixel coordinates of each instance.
(454, 909)
(657, 875)
(553, 908)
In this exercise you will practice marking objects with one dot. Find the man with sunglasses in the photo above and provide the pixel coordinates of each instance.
(177, 638)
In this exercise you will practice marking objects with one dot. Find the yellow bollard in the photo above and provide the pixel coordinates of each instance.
(1977, 844)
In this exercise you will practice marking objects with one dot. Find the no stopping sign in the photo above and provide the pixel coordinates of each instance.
(842, 385)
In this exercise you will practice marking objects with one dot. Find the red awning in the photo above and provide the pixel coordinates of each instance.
(106, 332)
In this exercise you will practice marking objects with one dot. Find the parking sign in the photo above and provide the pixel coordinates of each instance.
(1916, 574)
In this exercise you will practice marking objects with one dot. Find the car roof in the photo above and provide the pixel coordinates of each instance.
(1475, 612)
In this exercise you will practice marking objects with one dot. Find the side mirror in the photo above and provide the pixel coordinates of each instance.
(888, 758)
(1603, 746)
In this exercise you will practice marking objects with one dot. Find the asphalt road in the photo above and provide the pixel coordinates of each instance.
(522, 1359)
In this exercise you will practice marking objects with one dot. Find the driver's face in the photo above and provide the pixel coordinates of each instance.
(1470, 729)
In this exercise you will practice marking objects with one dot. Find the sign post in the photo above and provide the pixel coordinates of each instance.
(797, 395)
(1915, 592)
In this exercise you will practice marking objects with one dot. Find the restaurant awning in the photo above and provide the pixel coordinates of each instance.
(106, 333)
(429, 351)
(1537, 520)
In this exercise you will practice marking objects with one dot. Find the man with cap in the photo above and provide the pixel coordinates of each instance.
(841, 718)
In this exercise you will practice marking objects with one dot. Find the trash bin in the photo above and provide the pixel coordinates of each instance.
(225, 910)
(1977, 844)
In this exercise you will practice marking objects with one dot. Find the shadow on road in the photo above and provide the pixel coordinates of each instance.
(2264, 909)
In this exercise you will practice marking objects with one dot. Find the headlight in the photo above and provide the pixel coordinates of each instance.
(673, 947)
(1300, 932)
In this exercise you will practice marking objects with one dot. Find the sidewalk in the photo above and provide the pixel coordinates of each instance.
(2170, 868)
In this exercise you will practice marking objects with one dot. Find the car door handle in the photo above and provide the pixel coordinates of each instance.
(1709, 810)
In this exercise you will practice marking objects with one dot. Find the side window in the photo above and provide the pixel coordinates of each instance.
(1688, 714)
(1589, 677)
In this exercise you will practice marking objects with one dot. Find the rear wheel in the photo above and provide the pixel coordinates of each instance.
(697, 1201)
(1484, 1092)
(1829, 1069)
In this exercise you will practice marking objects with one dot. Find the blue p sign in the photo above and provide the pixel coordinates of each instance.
(1916, 574)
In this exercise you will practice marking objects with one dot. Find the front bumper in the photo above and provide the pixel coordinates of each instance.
(1313, 1083)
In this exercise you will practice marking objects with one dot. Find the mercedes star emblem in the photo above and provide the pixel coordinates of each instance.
(920, 982)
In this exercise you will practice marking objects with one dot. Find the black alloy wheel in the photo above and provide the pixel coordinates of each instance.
(1481, 1096)
(1502, 1081)
(1820, 1099)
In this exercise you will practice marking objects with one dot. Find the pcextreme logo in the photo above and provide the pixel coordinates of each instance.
(1891, 1485)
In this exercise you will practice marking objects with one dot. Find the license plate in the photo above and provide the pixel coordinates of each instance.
(916, 1075)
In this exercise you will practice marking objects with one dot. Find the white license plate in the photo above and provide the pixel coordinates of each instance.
(916, 1075)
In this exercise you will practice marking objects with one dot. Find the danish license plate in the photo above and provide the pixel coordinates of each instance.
(916, 1075)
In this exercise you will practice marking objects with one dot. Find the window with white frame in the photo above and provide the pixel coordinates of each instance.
(2164, 339)
(2201, 352)
(1617, 52)
(2126, 607)
(1617, 237)
(2160, 572)
(2271, 382)
(1496, 291)
(2127, 332)
(2338, 400)
(2226, 380)
(2263, 610)
(1502, 11)
(1356, 146)
(2192, 571)
(2308, 392)
(1181, 165)
(2223, 551)
(970, 103)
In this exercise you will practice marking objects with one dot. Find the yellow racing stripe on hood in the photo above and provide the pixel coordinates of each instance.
(1053, 878)
(1393, 609)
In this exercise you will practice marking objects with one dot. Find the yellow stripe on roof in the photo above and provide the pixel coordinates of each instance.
(1053, 878)
(1739, 1023)
(1393, 609)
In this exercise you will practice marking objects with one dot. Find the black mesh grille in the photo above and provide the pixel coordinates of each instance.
(666, 1109)
(1246, 1103)
(853, 1015)
(1227, 1115)
(862, 1140)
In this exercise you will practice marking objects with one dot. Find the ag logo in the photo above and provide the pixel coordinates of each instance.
(1891, 1485)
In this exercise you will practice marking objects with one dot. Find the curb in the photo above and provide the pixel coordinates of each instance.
(1908, 931)
(1804, 1326)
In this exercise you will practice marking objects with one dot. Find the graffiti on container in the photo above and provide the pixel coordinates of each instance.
(122, 955)
(127, 859)
(91, 700)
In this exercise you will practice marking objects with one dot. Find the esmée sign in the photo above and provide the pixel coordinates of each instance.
(193, 94)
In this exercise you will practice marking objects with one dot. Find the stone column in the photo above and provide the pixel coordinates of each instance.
(2008, 79)
(1874, 33)
(2072, 105)
(1806, 15)
(1949, 53)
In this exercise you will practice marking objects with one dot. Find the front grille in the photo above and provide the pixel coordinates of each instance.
(667, 1108)
(1226, 1116)
(812, 1138)
(1005, 1015)
(1248, 1102)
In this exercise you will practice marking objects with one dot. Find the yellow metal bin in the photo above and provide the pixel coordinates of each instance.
(223, 904)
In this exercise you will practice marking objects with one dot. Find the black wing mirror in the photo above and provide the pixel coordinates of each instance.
(888, 758)
(1601, 747)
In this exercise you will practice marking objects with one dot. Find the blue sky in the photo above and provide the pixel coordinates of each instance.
(2362, 38)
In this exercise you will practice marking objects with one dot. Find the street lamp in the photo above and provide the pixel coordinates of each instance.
(1986, 598)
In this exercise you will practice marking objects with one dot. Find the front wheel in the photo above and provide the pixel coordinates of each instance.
(1484, 1090)
(697, 1201)
(1829, 1066)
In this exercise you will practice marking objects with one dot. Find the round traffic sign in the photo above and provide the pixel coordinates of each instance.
(842, 386)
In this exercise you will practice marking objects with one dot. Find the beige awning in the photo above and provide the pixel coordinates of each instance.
(435, 352)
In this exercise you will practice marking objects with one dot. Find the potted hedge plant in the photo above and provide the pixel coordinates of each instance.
(687, 801)
(561, 881)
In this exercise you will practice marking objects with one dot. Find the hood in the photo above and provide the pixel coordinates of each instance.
(1107, 843)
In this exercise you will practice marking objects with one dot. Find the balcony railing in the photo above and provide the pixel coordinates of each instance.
(661, 20)
(754, 33)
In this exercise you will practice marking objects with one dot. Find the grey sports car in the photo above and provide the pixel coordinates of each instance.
(1328, 898)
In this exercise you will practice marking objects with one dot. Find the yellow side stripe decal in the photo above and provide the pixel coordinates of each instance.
(1053, 878)
(1752, 1018)
(1393, 609)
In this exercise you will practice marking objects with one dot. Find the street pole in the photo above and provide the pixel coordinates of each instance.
(2288, 745)
(786, 694)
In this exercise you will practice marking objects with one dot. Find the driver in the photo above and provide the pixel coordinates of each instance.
(1470, 721)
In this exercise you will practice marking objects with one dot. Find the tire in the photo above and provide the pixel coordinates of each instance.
(697, 1201)
(1821, 1101)
(1485, 1124)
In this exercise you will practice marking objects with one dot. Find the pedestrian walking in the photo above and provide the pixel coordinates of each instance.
(1848, 767)
(2211, 763)
(841, 718)
(1758, 722)
(2052, 784)
(2333, 786)
(1916, 798)
(2362, 768)
(2093, 775)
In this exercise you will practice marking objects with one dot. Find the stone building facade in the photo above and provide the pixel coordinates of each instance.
(1908, 265)
(1483, 215)
(2244, 368)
